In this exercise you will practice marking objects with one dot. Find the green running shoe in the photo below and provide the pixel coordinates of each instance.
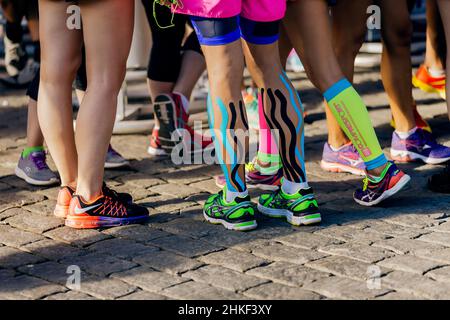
(299, 209)
(236, 215)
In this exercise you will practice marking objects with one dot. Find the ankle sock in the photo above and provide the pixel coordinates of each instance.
(436, 73)
(353, 117)
(376, 179)
(339, 148)
(290, 187)
(231, 195)
(405, 135)
(29, 150)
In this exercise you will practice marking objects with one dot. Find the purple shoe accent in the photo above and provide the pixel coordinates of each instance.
(34, 170)
(420, 145)
(346, 159)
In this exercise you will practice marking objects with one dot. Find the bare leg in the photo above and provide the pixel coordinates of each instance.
(60, 59)
(396, 63)
(34, 133)
(106, 55)
(435, 51)
(444, 8)
(192, 67)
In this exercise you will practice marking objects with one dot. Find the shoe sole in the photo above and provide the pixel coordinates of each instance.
(245, 226)
(111, 165)
(388, 193)
(426, 87)
(340, 168)
(265, 187)
(22, 175)
(312, 218)
(156, 151)
(101, 222)
(408, 156)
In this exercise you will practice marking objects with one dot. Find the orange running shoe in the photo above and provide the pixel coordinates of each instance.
(63, 202)
(425, 82)
(65, 195)
(420, 122)
(105, 211)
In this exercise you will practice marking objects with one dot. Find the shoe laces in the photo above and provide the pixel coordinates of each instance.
(365, 183)
(38, 159)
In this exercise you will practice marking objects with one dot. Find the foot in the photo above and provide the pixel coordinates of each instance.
(440, 182)
(255, 179)
(23, 77)
(155, 148)
(35, 171)
(346, 159)
(418, 146)
(108, 210)
(173, 119)
(236, 215)
(115, 160)
(16, 57)
(299, 209)
(374, 191)
(420, 122)
(424, 81)
(65, 195)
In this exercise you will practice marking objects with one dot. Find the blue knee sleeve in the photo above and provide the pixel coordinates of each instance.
(259, 32)
(216, 32)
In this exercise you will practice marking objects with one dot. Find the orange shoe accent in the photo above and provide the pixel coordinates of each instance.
(63, 202)
(420, 122)
(425, 82)
(395, 179)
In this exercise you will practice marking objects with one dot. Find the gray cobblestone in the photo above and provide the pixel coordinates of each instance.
(233, 259)
(404, 246)
(167, 262)
(77, 237)
(199, 291)
(288, 273)
(358, 252)
(223, 278)
(15, 237)
(12, 257)
(184, 246)
(409, 264)
(279, 252)
(276, 291)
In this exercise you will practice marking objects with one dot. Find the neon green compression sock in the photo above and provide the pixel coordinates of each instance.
(29, 150)
(352, 116)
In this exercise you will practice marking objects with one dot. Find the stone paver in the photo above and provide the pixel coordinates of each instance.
(400, 250)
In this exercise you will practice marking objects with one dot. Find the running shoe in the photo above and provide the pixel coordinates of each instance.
(108, 210)
(345, 159)
(420, 145)
(16, 57)
(236, 215)
(255, 179)
(35, 171)
(24, 76)
(173, 118)
(424, 81)
(299, 209)
(155, 148)
(420, 122)
(115, 160)
(65, 195)
(440, 182)
(391, 181)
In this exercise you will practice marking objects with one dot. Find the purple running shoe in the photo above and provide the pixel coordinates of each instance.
(420, 145)
(35, 171)
(346, 159)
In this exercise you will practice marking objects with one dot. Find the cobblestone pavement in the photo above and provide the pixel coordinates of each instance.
(398, 251)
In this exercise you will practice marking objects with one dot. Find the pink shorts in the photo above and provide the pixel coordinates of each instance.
(256, 10)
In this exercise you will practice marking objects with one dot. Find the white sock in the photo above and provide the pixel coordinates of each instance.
(405, 135)
(337, 149)
(436, 73)
(184, 101)
(231, 195)
(290, 187)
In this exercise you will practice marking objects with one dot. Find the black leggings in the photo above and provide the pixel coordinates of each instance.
(80, 81)
(166, 54)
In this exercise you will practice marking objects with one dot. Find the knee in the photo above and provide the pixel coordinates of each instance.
(59, 73)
